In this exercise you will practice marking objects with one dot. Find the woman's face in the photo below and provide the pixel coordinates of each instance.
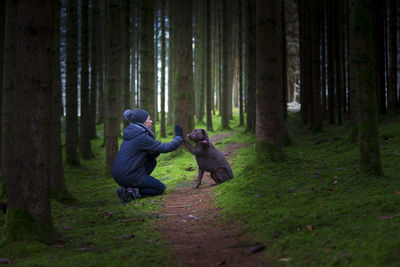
(148, 123)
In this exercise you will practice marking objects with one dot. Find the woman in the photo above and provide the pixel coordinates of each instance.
(136, 158)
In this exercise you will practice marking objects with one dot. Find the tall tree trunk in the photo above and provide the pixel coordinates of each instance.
(363, 60)
(250, 68)
(339, 60)
(171, 64)
(59, 190)
(113, 71)
(379, 52)
(9, 78)
(163, 54)
(85, 146)
(147, 67)
(393, 95)
(126, 48)
(94, 46)
(323, 12)
(353, 113)
(331, 60)
(71, 122)
(241, 115)
(227, 65)
(183, 76)
(2, 37)
(269, 119)
(316, 108)
(28, 182)
(209, 95)
(100, 55)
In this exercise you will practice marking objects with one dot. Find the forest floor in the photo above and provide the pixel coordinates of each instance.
(197, 231)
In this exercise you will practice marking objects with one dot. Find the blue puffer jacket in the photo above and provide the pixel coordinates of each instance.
(138, 146)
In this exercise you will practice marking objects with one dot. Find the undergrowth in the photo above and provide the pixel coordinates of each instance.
(316, 208)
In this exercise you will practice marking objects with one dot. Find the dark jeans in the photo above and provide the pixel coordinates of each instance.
(151, 186)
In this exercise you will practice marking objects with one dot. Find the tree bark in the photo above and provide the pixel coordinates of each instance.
(269, 118)
(146, 51)
(331, 60)
(113, 71)
(28, 182)
(227, 62)
(250, 68)
(9, 78)
(2, 38)
(363, 60)
(163, 59)
(209, 95)
(59, 190)
(183, 73)
(85, 146)
(71, 122)
(94, 46)
(393, 95)
(126, 48)
(316, 109)
(100, 55)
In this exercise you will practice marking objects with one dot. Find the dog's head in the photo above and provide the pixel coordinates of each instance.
(198, 135)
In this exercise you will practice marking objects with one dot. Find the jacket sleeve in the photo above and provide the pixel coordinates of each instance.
(151, 145)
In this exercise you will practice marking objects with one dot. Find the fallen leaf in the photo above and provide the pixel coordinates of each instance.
(276, 234)
(335, 182)
(223, 262)
(397, 192)
(386, 217)
(331, 189)
(310, 227)
(284, 259)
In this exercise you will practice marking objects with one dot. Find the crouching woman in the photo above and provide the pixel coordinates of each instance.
(136, 158)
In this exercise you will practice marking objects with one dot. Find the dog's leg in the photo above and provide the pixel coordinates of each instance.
(199, 178)
(188, 145)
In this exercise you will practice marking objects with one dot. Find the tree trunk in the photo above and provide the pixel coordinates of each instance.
(331, 60)
(339, 60)
(392, 85)
(379, 53)
(113, 71)
(227, 62)
(94, 46)
(363, 60)
(9, 78)
(71, 102)
(163, 54)
(2, 37)
(251, 68)
(316, 108)
(323, 12)
(100, 55)
(269, 119)
(126, 48)
(59, 190)
(147, 67)
(171, 65)
(85, 146)
(28, 182)
(183, 75)
(209, 95)
(353, 113)
(241, 115)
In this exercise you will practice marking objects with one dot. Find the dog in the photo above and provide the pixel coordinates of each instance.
(208, 158)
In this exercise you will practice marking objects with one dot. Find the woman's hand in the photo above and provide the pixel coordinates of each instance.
(178, 131)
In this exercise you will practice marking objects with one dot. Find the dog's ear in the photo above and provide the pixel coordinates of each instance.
(205, 134)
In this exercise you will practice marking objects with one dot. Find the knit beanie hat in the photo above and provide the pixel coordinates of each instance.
(138, 115)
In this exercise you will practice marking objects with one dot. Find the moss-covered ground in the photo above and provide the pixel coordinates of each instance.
(312, 209)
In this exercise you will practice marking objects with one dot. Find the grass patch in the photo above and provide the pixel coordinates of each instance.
(315, 208)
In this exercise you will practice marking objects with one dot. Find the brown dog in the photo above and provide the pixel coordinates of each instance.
(208, 158)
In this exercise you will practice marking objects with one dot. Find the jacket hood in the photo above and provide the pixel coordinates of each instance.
(135, 129)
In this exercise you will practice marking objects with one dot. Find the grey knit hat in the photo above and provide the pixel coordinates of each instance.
(138, 115)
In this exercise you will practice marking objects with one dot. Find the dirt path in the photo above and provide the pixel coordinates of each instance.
(197, 232)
